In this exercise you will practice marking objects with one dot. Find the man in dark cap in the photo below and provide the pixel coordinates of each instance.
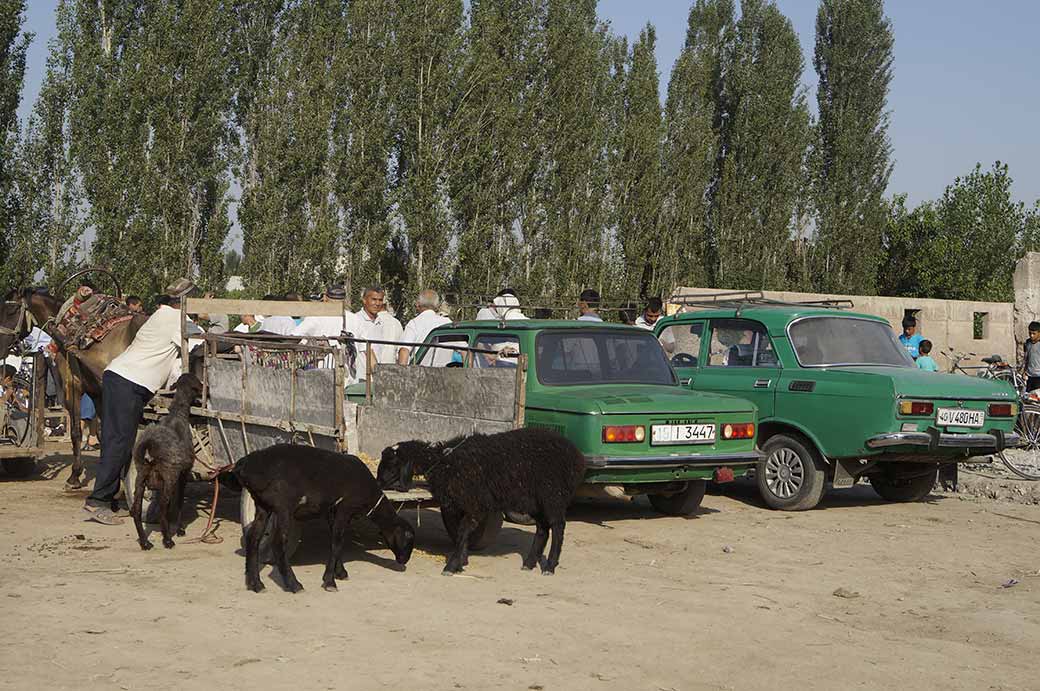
(325, 327)
(128, 384)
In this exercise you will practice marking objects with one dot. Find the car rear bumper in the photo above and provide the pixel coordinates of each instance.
(934, 439)
(672, 462)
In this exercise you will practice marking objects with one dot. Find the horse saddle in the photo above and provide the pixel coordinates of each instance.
(89, 322)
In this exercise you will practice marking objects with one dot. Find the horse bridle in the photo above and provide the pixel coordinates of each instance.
(24, 315)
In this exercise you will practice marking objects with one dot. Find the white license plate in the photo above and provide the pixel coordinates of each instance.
(959, 417)
(682, 434)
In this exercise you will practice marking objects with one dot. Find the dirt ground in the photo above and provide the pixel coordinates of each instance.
(856, 594)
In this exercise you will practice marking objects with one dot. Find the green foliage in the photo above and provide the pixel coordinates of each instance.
(468, 146)
(962, 247)
(637, 174)
(13, 46)
(288, 211)
(851, 150)
(763, 138)
(47, 230)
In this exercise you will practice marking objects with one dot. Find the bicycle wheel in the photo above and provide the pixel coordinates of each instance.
(1025, 460)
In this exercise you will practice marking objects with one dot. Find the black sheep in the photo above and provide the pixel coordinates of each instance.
(164, 455)
(290, 481)
(526, 471)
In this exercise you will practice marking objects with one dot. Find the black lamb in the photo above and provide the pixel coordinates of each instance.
(295, 482)
(164, 455)
(532, 472)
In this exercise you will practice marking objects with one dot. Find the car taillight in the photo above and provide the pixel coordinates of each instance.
(1002, 409)
(742, 430)
(623, 434)
(916, 407)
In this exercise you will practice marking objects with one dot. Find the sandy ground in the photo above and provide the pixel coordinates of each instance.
(738, 597)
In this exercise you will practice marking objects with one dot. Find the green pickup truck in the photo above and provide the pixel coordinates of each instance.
(838, 399)
(610, 390)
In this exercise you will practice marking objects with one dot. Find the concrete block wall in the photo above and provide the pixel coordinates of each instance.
(946, 323)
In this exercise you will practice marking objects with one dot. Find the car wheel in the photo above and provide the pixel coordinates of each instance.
(681, 503)
(908, 482)
(791, 477)
(19, 467)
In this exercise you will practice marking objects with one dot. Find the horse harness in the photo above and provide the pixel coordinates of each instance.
(24, 315)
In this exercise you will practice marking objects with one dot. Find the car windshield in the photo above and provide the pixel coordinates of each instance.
(846, 341)
(610, 356)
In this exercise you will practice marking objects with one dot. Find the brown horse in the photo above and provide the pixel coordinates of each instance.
(80, 370)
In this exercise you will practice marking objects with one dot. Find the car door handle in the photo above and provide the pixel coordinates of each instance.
(763, 383)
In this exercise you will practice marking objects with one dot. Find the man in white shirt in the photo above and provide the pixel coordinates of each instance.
(129, 382)
(426, 321)
(588, 303)
(374, 323)
(325, 327)
(506, 305)
(653, 311)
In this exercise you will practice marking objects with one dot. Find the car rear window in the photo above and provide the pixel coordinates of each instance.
(610, 356)
(846, 341)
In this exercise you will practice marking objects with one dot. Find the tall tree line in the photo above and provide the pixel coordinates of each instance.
(471, 146)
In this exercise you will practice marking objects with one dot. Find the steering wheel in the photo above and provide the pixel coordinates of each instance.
(684, 360)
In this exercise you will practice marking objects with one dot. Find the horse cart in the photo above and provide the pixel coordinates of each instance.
(261, 390)
(22, 418)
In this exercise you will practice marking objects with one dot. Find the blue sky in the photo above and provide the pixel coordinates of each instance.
(966, 84)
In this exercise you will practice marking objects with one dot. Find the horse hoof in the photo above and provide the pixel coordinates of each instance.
(257, 587)
(525, 567)
(168, 544)
(295, 589)
(180, 532)
(548, 572)
(329, 587)
(145, 546)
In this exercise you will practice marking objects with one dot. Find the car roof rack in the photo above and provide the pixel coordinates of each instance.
(739, 299)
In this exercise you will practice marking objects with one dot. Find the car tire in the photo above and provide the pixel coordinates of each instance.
(681, 503)
(909, 487)
(791, 477)
(19, 467)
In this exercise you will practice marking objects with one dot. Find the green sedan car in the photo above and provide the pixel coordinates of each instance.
(838, 399)
(610, 390)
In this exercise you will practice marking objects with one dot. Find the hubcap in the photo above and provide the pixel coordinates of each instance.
(784, 473)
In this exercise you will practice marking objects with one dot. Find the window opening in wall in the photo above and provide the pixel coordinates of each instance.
(979, 325)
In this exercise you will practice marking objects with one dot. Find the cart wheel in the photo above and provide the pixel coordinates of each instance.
(150, 503)
(247, 512)
(486, 533)
(19, 467)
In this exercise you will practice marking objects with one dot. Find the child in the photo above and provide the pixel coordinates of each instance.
(1031, 357)
(924, 360)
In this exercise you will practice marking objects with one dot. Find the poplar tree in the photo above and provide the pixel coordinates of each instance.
(851, 158)
(638, 175)
(289, 213)
(363, 141)
(13, 46)
(693, 116)
(503, 83)
(764, 134)
(427, 54)
(49, 225)
(578, 115)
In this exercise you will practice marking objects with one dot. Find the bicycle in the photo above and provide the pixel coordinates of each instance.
(1023, 461)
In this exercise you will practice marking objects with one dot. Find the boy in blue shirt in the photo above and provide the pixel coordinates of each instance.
(924, 361)
(910, 339)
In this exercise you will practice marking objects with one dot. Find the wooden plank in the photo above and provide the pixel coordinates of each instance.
(380, 427)
(265, 307)
(485, 394)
